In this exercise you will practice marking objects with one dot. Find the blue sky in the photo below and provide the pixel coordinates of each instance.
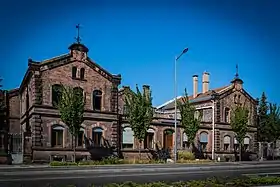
(139, 40)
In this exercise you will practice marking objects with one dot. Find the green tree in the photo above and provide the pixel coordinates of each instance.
(239, 124)
(190, 118)
(71, 108)
(273, 124)
(139, 113)
(263, 130)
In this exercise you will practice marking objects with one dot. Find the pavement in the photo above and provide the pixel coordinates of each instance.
(43, 176)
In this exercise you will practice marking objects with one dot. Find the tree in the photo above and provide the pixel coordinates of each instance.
(190, 118)
(239, 124)
(71, 108)
(273, 124)
(263, 134)
(139, 113)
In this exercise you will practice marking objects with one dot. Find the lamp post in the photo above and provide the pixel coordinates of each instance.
(214, 97)
(175, 99)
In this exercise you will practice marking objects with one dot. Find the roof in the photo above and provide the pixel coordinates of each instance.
(200, 97)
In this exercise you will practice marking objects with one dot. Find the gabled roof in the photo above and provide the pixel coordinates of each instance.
(201, 97)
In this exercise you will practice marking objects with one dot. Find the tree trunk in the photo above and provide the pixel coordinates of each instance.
(139, 150)
(74, 150)
(240, 152)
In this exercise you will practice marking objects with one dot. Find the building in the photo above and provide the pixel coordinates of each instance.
(37, 134)
(223, 98)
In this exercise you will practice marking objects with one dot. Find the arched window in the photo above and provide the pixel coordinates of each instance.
(96, 99)
(168, 139)
(236, 144)
(246, 143)
(226, 142)
(74, 72)
(57, 136)
(97, 134)
(82, 73)
(203, 140)
(80, 138)
(56, 94)
(185, 141)
(227, 115)
(149, 140)
(127, 138)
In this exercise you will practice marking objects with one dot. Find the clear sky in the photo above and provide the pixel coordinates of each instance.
(139, 40)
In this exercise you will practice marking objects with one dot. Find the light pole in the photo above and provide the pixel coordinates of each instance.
(175, 99)
(214, 97)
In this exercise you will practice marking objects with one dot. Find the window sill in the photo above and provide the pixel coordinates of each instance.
(79, 79)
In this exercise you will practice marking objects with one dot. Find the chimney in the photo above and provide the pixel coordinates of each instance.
(195, 86)
(205, 82)
(146, 89)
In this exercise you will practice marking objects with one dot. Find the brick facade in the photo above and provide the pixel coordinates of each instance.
(32, 113)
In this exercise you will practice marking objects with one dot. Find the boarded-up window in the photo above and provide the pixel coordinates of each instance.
(128, 138)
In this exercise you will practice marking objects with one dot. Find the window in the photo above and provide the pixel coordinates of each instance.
(82, 73)
(127, 138)
(226, 143)
(96, 99)
(125, 110)
(246, 143)
(186, 143)
(74, 72)
(56, 94)
(80, 138)
(149, 140)
(57, 136)
(236, 145)
(97, 136)
(203, 140)
(227, 116)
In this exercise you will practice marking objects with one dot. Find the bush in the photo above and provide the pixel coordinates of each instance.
(186, 155)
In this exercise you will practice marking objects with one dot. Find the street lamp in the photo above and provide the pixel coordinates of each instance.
(175, 99)
(214, 96)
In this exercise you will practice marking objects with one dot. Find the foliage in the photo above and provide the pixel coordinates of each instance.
(71, 108)
(186, 155)
(139, 112)
(273, 122)
(239, 122)
(263, 129)
(189, 120)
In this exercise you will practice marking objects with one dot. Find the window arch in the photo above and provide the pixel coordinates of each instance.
(127, 138)
(149, 139)
(56, 94)
(74, 72)
(226, 142)
(203, 140)
(57, 136)
(97, 134)
(82, 73)
(96, 99)
(227, 115)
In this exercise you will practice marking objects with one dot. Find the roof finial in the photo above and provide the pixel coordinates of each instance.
(236, 74)
(78, 38)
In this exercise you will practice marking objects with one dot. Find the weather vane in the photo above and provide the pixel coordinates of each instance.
(78, 38)
(236, 74)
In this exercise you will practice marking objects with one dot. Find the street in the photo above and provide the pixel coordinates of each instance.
(100, 175)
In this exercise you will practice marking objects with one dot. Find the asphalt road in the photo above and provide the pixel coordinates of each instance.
(100, 175)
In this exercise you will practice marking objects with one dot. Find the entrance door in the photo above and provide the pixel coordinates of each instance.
(168, 139)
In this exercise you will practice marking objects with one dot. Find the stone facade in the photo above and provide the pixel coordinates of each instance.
(33, 114)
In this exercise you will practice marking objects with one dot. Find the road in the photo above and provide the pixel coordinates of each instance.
(100, 175)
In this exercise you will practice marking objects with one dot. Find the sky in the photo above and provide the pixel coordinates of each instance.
(140, 39)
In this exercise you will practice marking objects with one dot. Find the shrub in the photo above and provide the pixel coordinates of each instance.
(186, 155)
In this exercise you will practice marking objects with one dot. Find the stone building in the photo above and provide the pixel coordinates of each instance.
(32, 112)
(220, 100)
